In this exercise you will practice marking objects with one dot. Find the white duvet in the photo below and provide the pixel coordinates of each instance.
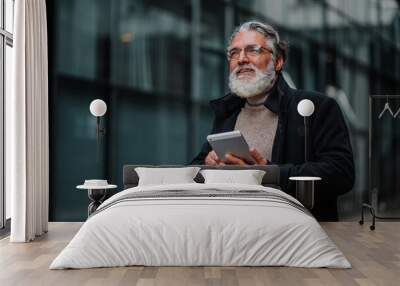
(200, 231)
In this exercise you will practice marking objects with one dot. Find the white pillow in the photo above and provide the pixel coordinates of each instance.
(248, 177)
(165, 176)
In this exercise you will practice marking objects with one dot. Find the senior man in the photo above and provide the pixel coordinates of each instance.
(264, 108)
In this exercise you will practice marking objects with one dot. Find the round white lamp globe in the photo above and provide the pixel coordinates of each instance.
(305, 107)
(98, 107)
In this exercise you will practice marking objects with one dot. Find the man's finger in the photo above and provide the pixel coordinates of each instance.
(230, 159)
(214, 156)
(211, 158)
(210, 161)
(257, 157)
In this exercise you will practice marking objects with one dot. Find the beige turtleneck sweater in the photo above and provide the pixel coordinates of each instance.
(258, 125)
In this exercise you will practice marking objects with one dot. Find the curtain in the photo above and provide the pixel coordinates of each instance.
(27, 143)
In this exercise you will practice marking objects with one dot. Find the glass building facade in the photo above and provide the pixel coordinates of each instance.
(158, 63)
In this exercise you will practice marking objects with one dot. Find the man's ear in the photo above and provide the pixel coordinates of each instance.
(279, 63)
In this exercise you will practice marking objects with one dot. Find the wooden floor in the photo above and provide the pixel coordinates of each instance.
(374, 255)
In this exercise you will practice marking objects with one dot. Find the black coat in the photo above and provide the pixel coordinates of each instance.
(330, 152)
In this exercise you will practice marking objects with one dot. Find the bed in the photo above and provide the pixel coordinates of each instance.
(201, 224)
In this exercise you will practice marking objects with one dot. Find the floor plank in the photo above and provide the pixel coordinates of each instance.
(374, 255)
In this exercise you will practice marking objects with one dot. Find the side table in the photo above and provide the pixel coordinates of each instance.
(96, 195)
(305, 190)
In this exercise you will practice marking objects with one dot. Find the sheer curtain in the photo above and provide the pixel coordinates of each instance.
(27, 147)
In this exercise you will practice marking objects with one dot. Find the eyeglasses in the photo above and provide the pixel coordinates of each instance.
(252, 51)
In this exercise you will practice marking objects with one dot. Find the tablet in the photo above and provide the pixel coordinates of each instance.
(230, 142)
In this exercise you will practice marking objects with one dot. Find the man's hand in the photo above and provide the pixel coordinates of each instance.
(212, 159)
(257, 157)
(233, 160)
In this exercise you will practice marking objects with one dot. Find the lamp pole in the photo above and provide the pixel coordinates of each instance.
(306, 109)
(98, 108)
(306, 139)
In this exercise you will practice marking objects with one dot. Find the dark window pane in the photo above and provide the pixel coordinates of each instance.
(150, 48)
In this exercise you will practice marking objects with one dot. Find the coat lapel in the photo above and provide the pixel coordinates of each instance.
(277, 102)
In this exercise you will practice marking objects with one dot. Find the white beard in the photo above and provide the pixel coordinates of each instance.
(248, 87)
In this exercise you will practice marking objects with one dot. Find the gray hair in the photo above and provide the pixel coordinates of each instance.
(279, 46)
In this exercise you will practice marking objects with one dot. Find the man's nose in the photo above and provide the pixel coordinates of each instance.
(243, 57)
